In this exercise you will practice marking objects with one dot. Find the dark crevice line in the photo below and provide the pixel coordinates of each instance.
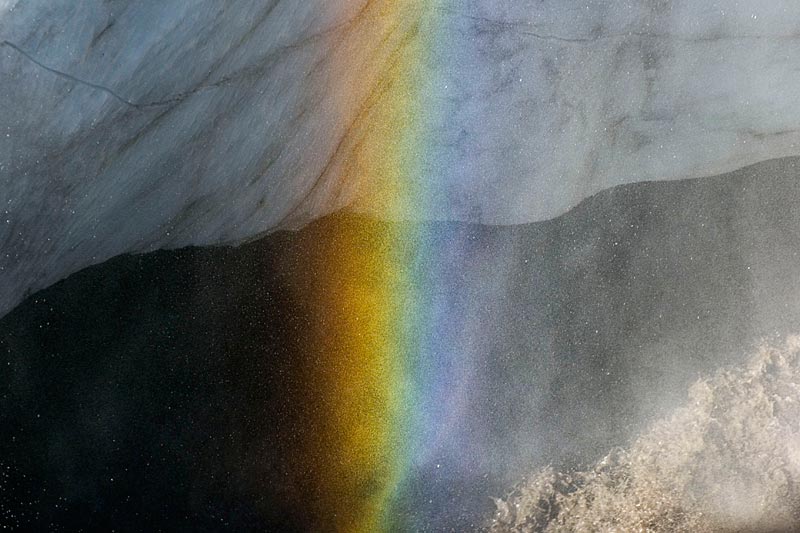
(69, 77)
(518, 28)
(177, 98)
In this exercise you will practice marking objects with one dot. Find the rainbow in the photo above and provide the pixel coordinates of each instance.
(373, 316)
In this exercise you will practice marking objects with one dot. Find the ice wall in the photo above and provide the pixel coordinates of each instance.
(132, 126)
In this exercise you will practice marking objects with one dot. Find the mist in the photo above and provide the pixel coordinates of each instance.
(582, 331)
(556, 343)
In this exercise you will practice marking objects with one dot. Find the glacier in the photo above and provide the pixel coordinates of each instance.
(127, 127)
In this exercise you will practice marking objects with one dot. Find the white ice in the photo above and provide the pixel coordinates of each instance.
(133, 126)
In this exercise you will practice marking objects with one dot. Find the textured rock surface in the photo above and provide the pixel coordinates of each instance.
(132, 126)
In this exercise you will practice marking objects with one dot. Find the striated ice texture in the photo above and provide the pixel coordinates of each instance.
(132, 126)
